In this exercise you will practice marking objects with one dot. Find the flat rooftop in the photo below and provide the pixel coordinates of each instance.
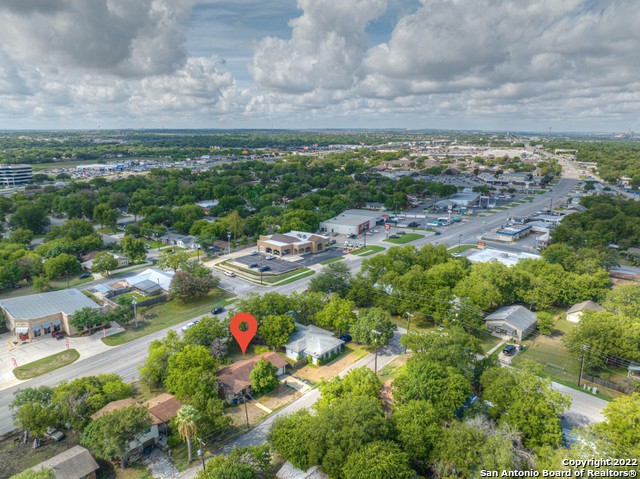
(514, 229)
(508, 259)
(66, 301)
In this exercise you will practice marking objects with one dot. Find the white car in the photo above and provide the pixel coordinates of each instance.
(270, 257)
(187, 326)
(253, 253)
(369, 233)
(231, 274)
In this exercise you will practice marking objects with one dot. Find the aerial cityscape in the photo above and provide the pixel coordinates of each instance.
(367, 239)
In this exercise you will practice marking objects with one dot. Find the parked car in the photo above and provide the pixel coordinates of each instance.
(85, 276)
(147, 246)
(334, 234)
(369, 233)
(509, 350)
(413, 225)
(231, 274)
(400, 233)
(58, 335)
(270, 257)
(54, 434)
(217, 310)
(253, 265)
(346, 338)
(187, 326)
(437, 233)
(394, 236)
(264, 268)
(332, 242)
(253, 253)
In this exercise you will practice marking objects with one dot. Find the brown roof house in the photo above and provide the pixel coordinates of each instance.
(160, 410)
(235, 380)
(74, 463)
(577, 310)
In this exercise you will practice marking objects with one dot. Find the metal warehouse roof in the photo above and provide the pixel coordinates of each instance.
(67, 301)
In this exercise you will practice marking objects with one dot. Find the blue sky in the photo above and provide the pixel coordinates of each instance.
(454, 64)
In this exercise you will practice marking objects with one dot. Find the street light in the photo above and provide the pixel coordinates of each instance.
(201, 453)
(408, 322)
(229, 240)
(135, 310)
(459, 239)
(483, 230)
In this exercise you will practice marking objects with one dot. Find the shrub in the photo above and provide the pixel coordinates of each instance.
(260, 349)
(173, 441)
(124, 300)
(546, 322)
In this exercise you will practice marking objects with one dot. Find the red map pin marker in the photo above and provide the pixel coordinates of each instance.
(243, 337)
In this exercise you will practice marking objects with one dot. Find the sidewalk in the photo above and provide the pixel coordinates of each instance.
(26, 353)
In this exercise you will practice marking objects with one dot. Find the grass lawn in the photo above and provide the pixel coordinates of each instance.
(291, 280)
(329, 261)
(528, 198)
(395, 368)
(500, 208)
(61, 164)
(138, 297)
(488, 341)
(461, 248)
(401, 322)
(407, 238)
(107, 230)
(164, 315)
(171, 248)
(46, 365)
(369, 250)
(541, 192)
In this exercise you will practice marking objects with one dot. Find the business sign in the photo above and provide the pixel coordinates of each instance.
(363, 227)
(66, 340)
(104, 330)
(15, 365)
(387, 226)
(482, 245)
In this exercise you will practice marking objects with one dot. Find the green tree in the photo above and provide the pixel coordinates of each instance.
(174, 261)
(236, 224)
(186, 420)
(378, 460)
(104, 263)
(264, 376)
(31, 217)
(61, 264)
(110, 435)
(357, 382)
(133, 248)
(234, 470)
(335, 277)
(527, 401)
(369, 320)
(291, 436)
(624, 300)
(275, 329)
(35, 418)
(189, 369)
(21, 236)
(206, 331)
(41, 283)
(153, 371)
(306, 305)
(546, 322)
(338, 314)
(622, 426)
(86, 317)
(186, 287)
(418, 426)
(105, 215)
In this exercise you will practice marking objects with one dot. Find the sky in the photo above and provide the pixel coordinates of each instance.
(516, 65)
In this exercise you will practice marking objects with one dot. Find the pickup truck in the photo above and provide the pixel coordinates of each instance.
(54, 434)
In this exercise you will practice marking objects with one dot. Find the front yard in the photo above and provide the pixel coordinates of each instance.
(167, 314)
(353, 352)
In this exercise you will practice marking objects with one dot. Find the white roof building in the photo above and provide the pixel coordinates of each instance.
(509, 259)
(151, 278)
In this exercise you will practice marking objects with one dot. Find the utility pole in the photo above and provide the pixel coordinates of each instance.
(408, 324)
(204, 468)
(260, 268)
(67, 273)
(584, 347)
(459, 239)
(135, 310)
(229, 240)
(246, 413)
(375, 367)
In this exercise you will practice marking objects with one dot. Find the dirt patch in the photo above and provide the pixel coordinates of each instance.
(109, 470)
(280, 397)
(15, 457)
(238, 416)
(353, 354)
(394, 368)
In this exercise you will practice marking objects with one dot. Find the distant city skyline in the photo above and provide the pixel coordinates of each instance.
(489, 65)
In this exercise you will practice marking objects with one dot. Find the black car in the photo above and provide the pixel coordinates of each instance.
(437, 233)
(413, 225)
(253, 265)
(394, 236)
(346, 338)
(509, 350)
(85, 276)
(400, 233)
(217, 310)
(264, 268)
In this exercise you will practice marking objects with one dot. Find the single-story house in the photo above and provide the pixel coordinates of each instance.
(151, 281)
(74, 463)
(87, 260)
(634, 370)
(289, 471)
(235, 381)
(372, 205)
(511, 321)
(577, 310)
(138, 444)
(312, 341)
(40, 315)
(294, 242)
(182, 241)
(164, 407)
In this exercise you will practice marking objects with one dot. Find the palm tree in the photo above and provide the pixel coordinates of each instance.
(186, 420)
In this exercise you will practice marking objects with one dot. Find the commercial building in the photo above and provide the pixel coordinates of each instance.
(515, 322)
(116, 167)
(40, 315)
(15, 174)
(508, 259)
(350, 222)
(513, 232)
(294, 242)
(465, 199)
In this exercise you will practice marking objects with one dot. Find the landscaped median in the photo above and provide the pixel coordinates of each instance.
(368, 250)
(46, 365)
(267, 279)
(333, 260)
(406, 238)
(167, 314)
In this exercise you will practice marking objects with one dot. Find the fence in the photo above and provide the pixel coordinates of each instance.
(299, 364)
(607, 384)
(140, 304)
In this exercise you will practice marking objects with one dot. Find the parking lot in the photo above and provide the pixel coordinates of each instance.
(280, 266)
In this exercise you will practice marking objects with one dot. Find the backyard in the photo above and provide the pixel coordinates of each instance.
(168, 314)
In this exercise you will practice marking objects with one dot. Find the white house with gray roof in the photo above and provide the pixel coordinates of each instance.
(151, 281)
(511, 321)
(312, 341)
(39, 315)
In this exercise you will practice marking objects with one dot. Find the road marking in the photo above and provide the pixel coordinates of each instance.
(115, 362)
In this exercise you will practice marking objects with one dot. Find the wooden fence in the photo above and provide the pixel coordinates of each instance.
(608, 384)
(298, 364)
